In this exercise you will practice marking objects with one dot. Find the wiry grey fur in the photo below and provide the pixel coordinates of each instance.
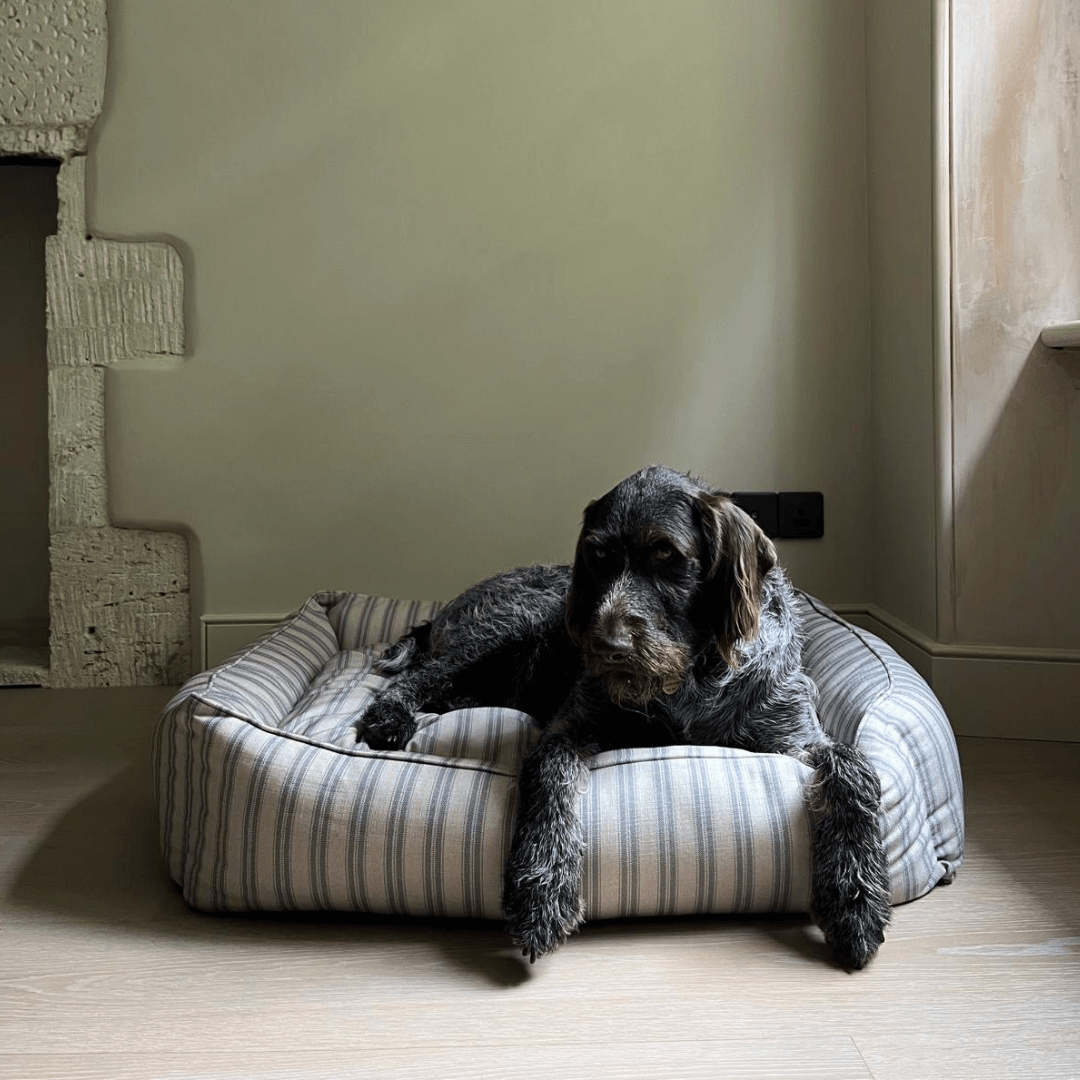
(675, 625)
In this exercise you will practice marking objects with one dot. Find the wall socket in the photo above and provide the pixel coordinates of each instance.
(762, 506)
(801, 515)
(785, 515)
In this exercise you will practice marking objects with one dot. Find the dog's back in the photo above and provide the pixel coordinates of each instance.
(506, 640)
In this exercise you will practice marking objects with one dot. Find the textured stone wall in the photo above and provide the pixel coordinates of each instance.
(113, 301)
(118, 598)
(117, 616)
(52, 74)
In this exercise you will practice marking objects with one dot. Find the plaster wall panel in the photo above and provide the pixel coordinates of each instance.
(52, 74)
(1016, 139)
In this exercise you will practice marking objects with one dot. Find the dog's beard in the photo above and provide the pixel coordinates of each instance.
(633, 688)
(654, 668)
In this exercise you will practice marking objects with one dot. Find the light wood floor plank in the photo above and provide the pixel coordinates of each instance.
(742, 1059)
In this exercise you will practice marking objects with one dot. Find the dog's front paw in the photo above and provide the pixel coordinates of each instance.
(853, 920)
(387, 725)
(542, 906)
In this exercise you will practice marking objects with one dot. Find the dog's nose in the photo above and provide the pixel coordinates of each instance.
(614, 644)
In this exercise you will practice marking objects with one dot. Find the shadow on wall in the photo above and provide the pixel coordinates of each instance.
(1018, 577)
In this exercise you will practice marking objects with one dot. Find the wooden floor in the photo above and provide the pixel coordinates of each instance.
(105, 973)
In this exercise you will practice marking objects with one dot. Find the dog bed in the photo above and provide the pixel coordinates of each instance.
(268, 802)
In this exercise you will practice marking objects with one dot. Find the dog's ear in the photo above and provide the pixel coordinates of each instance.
(736, 558)
(580, 601)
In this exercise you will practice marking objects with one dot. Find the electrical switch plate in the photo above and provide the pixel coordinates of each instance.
(761, 506)
(800, 515)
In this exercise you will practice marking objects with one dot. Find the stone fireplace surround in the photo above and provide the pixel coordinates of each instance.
(119, 598)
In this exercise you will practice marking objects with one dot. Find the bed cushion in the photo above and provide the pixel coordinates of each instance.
(268, 802)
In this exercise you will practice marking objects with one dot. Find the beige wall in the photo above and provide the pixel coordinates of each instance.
(900, 170)
(1016, 142)
(453, 269)
(27, 216)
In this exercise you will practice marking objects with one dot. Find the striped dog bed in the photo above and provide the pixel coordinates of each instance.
(269, 803)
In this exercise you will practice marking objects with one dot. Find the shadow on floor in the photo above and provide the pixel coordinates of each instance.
(101, 864)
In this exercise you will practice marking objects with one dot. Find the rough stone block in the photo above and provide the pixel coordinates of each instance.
(78, 491)
(71, 197)
(52, 73)
(53, 142)
(119, 608)
(109, 300)
(24, 665)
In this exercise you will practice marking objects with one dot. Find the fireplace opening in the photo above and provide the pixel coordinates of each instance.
(28, 213)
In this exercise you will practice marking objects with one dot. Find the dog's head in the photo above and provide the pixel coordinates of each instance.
(664, 567)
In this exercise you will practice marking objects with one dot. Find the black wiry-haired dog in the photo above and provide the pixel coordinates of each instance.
(674, 625)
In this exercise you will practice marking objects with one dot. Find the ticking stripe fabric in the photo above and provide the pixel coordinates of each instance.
(271, 801)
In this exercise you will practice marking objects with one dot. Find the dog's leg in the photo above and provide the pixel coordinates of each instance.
(850, 880)
(420, 680)
(478, 649)
(542, 895)
(389, 722)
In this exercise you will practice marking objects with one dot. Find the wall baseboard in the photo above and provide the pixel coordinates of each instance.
(223, 635)
(991, 691)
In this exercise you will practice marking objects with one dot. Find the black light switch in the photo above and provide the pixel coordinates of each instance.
(800, 515)
(761, 506)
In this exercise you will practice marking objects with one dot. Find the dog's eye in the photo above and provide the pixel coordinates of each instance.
(662, 552)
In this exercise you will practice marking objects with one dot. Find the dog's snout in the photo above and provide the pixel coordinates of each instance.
(615, 643)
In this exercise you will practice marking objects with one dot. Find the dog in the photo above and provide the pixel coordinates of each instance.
(674, 625)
